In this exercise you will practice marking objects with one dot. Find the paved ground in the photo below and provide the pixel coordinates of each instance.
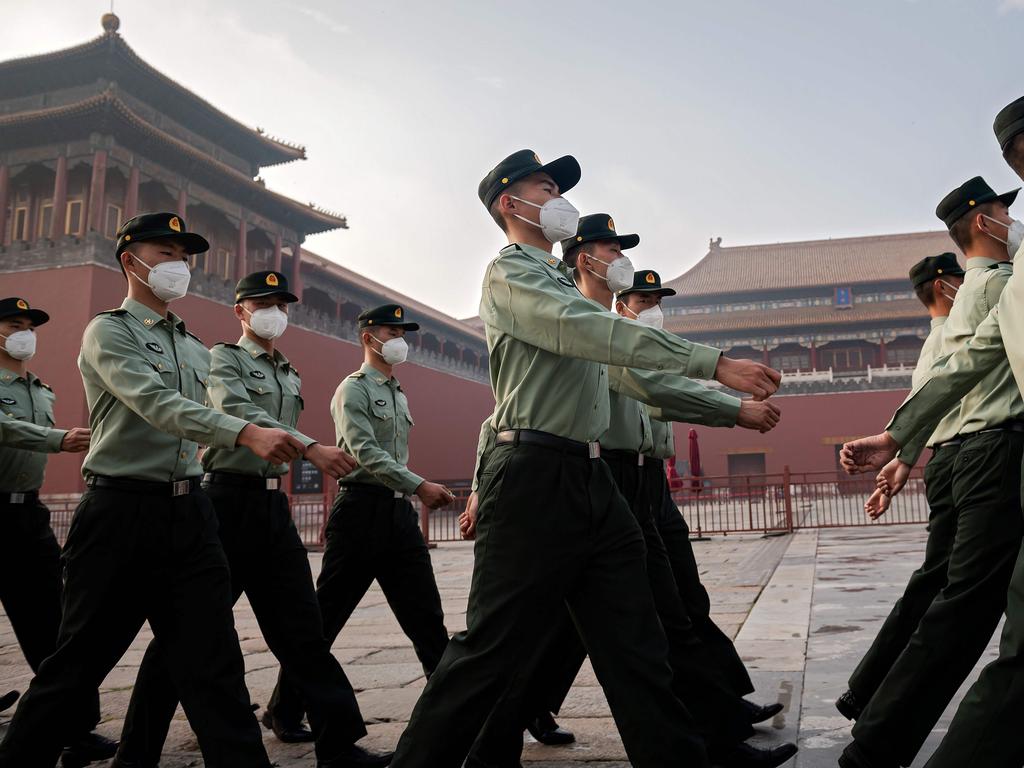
(804, 608)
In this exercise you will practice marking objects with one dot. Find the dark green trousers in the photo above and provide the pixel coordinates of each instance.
(552, 531)
(924, 585)
(986, 730)
(717, 647)
(959, 623)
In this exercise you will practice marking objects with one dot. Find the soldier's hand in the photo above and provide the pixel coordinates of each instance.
(893, 477)
(762, 416)
(274, 445)
(76, 440)
(877, 504)
(747, 376)
(868, 454)
(467, 520)
(434, 495)
(330, 460)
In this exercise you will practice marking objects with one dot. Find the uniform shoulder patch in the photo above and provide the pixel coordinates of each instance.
(227, 344)
(43, 384)
(116, 312)
(189, 333)
(356, 375)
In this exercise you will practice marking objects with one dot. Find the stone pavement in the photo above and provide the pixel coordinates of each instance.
(804, 607)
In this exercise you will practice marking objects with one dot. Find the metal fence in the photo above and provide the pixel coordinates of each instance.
(770, 503)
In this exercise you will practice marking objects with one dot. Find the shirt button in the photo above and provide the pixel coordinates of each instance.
(184, 455)
(159, 366)
(183, 366)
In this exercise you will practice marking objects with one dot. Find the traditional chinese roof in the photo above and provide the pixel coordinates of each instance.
(796, 317)
(106, 111)
(109, 59)
(775, 268)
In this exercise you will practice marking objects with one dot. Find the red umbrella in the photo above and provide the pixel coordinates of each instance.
(695, 459)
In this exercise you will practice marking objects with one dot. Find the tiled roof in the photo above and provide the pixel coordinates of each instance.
(108, 105)
(796, 317)
(809, 264)
(111, 57)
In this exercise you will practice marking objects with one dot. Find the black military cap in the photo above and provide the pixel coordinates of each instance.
(599, 226)
(933, 267)
(1009, 122)
(159, 226)
(647, 281)
(971, 193)
(389, 314)
(268, 283)
(565, 171)
(15, 307)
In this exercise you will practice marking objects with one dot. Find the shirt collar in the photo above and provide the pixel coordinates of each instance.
(980, 262)
(7, 375)
(148, 317)
(372, 373)
(256, 350)
(544, 257)
(937, 321)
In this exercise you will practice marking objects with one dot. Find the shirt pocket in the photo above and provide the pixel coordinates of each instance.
(164, 366)
(261, 394)
(200, 384)
(383, 419)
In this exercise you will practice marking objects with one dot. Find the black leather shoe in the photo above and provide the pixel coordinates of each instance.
(746, 756)
(848, 706)
(545, 730)
(289, 733)
(8, 699)
(759, 713)
(90, 748)
(356, 757)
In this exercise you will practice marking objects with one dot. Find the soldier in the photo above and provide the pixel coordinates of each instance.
(30, 577)
(373, 531)
(985, 730)
(551, 527)
(936, 280)
(254, 381)
(143, 542)
(959, 622)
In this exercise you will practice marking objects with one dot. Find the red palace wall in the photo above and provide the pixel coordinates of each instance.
(806, 436)
(448, 410)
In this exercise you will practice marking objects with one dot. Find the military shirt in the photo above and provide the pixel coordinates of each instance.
(247, 382)
(992, 401)
(372, 422)
(146, 381)
(547, 343)
(930, 352)
(27, 400)
(663, 437)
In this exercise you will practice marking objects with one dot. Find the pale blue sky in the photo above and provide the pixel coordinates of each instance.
(753, 120)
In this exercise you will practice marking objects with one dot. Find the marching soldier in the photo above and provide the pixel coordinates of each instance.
(143, 542)
(936, 280)
(551, 527)
(253, 380)
(30, 577)
(373, 530)
(958, 624)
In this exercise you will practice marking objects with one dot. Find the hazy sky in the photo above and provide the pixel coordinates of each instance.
(753, 120)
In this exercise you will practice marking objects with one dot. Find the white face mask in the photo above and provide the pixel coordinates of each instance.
(168, 280)
(1014, 235)
(620, 273)
(393, 351)
(652, 316)
(558, 218)
(953, 288)
(268, 323)
(21, 345)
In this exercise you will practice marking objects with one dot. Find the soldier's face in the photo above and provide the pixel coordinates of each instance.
(638, 302)
(600, 255)
(381, 334)
(14, 324)
(536, 188)
(153, 252)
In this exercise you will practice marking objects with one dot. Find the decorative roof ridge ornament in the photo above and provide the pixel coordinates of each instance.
(110, 22)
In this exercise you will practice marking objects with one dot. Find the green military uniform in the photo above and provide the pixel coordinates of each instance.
(265, 553)
(986, 728)
(928, 580)
(30, 571)
(373, 530)
(956, 627)
(143, 542)
(552, 529)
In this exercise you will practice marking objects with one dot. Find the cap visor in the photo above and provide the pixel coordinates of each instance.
(1007, 198)
(565, 171)
(291, 298)
(36, 316)
(628, 241)
(655, 291)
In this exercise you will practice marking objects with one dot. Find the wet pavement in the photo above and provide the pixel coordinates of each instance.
(802, 607)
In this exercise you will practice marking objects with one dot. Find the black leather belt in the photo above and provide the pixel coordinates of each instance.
(249, 482)
(630, 458)
(147, 487)
(953, 441)
(1007, 426)
(535, 437)
(21, 497)
(378, 490)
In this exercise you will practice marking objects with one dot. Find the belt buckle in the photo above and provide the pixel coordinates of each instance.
(639, 459)
(594, 450)
(17, 498)
(399, 495)
(273, 483)
(181, 488)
